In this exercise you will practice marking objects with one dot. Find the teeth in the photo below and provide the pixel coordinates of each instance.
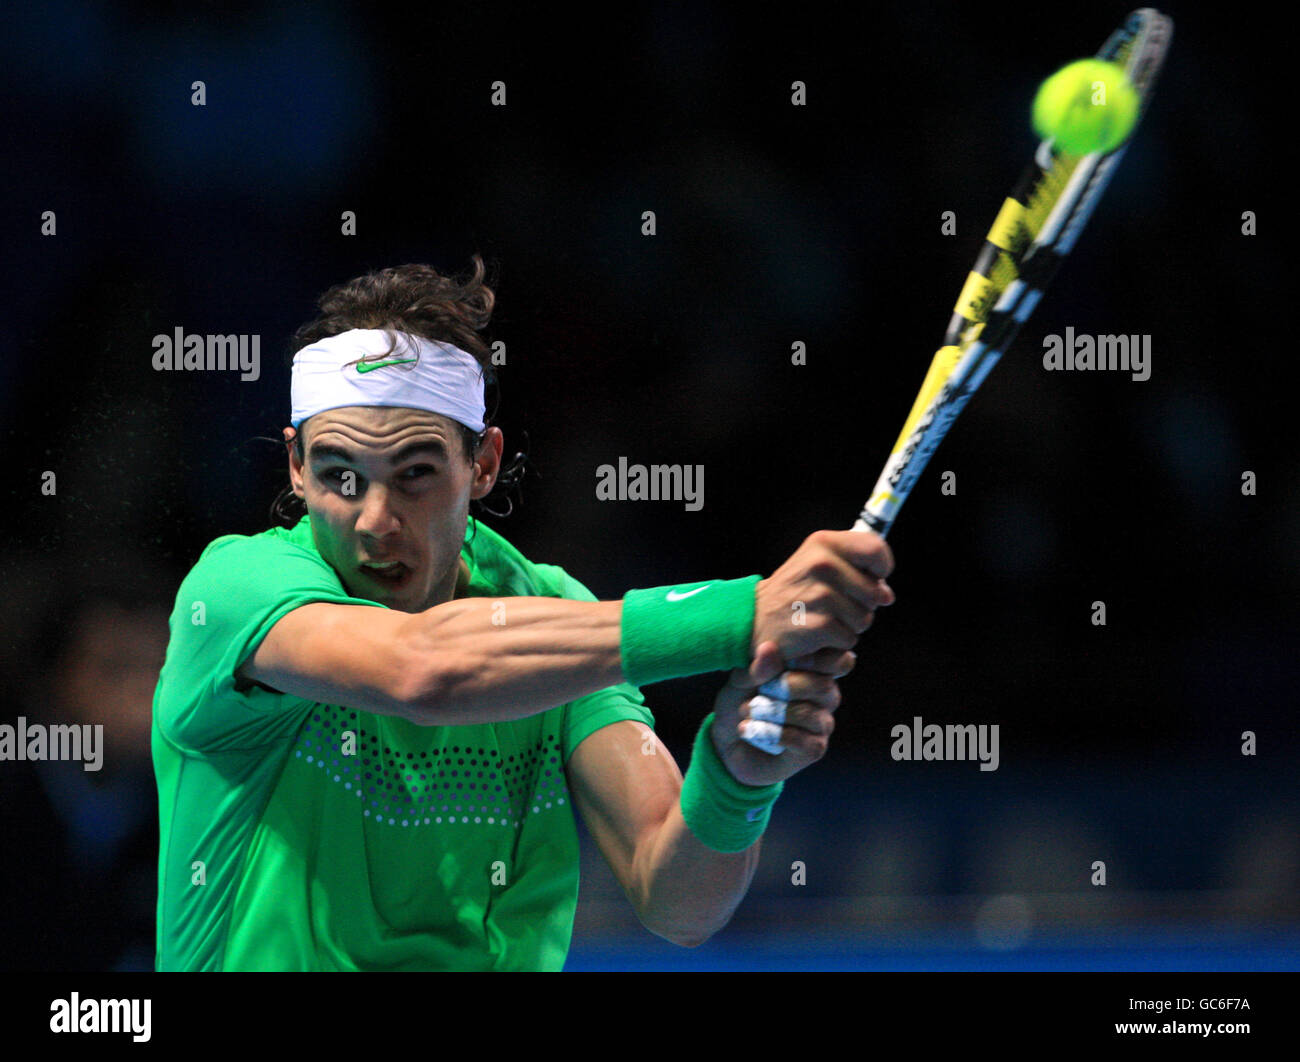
(384, 567)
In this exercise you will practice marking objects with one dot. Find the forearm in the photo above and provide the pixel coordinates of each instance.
(487, 660)
(688, 891)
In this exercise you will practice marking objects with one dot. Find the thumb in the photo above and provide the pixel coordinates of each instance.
(743, 681)
(767, 664)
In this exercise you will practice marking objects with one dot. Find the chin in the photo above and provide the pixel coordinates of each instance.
(403, 604)
(409, 600)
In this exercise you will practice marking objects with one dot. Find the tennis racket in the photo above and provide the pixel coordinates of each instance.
(1033, 232)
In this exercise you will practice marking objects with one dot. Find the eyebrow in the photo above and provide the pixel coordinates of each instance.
(325, 452)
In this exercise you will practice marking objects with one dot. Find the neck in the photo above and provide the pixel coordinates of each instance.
(454, 585)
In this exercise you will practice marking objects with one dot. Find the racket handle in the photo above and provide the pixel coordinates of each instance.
(773, 697)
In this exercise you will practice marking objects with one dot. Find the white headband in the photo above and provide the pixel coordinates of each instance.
(418, 374)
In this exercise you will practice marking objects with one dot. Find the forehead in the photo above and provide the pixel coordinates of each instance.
(379, 429)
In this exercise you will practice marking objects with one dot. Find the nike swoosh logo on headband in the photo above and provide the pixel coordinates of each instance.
(371, 366)
(673, 595)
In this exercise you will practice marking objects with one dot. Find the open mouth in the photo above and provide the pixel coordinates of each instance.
(391, 572)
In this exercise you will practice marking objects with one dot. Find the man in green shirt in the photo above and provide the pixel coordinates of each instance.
(373, 727)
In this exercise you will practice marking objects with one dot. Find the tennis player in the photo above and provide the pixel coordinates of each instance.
(374, 727)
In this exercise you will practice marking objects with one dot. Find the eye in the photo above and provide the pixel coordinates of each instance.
(417, 471)
(334, 477)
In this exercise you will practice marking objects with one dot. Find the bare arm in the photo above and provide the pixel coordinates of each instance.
(628, 788)
(473, 660)
(484, 660)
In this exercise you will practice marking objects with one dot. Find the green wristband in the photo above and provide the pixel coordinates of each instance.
(674, 631)
(725, 815)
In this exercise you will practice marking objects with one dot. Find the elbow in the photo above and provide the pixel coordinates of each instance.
(427, 683)
(687, 939)
(682, 936)
(425, 691)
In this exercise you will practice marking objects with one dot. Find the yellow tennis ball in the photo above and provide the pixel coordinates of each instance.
(1087, 106)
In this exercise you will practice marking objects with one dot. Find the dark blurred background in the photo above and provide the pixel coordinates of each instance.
(776, 224)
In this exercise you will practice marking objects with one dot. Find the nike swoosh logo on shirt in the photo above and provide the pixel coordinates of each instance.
(371, 366)
(673, 595)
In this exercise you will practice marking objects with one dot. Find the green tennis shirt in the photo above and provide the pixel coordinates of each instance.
(304, 836)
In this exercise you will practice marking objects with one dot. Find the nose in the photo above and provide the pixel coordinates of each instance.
(377, 517)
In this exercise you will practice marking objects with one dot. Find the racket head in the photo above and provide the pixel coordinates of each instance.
(1034, 230)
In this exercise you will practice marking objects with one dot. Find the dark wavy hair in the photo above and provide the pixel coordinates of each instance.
(416, 300)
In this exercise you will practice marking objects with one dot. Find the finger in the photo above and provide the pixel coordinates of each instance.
(766, 665)
(840, 591)
(834, 634)
(808, 744)
(859, 559)
(821, 690)
(766, 709)
(800, 715)
(834, 662)
(866, 550)
(810, 739)
(764, 736)
(803, 686)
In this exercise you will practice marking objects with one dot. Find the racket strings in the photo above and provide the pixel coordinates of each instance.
(1004, 271)
(1047, 192)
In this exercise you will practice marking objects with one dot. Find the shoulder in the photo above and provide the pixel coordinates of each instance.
(267, 556)
(251, 579)
(276, 541)
(498, 566)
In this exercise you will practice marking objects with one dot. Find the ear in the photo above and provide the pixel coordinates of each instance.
(487, 463)
(295, 466)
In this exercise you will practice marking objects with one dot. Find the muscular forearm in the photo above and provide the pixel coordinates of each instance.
(688, 891)
(485, 660)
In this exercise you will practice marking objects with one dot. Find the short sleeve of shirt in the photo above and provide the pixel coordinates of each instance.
(614, 704)
(240, 588)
